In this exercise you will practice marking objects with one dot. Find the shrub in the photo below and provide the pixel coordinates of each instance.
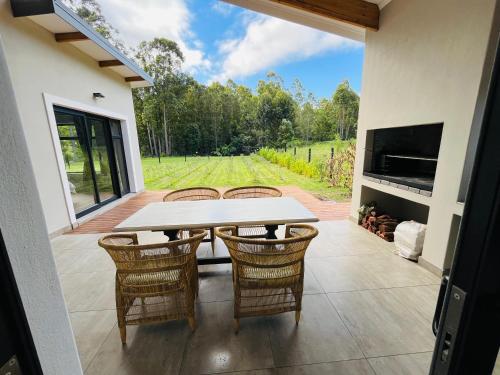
(340, 169)
(286, 160)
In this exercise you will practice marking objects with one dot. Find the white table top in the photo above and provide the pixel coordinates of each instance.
(215, 213)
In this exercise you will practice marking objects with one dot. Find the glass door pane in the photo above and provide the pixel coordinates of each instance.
(72, 136)
(100, 158)
(121, 164)
(94, 158)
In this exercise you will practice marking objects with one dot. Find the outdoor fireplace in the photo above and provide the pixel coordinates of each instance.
(404, 157)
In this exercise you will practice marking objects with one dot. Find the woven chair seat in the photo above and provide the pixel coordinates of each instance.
(152, 279)
(268, 277)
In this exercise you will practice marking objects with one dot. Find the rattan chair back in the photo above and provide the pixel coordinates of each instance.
(192, 194)
(269, 253)
(268, 275)
(252, 192)
(196, 194)
(130, 257)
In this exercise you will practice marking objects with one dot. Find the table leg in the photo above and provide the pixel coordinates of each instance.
(214, 260)
(172, 234)
(271, 232)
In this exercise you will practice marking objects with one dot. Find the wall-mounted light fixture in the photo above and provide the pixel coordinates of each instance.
(98, 95)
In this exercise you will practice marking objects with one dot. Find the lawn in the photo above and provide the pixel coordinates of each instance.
(229, 171)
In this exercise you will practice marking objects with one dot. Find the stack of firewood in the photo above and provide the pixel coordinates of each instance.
(382, 225)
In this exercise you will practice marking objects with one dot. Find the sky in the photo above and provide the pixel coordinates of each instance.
(221, 41)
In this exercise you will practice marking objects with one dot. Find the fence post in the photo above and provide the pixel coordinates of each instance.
(332, 153)
(295, 151)
(185, 157)
(285, 147)
(309, 156)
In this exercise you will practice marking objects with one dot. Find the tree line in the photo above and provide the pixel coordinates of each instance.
(180, 116)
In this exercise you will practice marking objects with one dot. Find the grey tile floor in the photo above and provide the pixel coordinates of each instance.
(365, 311)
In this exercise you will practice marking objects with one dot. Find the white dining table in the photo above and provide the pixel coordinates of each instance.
(170, 217)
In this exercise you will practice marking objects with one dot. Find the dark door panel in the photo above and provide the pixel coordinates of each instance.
(100, 154)
(16, 344)
(74, 145)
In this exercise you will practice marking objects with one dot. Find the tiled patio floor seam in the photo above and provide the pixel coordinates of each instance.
(98, 349)
(346, 326)
(396, 355)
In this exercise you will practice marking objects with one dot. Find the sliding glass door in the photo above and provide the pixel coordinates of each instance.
(72, 135)
(94, 159)
(121, 166)
(100, 159)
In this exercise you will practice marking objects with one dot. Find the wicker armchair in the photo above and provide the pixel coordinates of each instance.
(244, 192)
(196, 194)
(268, 275)
(252, 192)
(154, 282)
(192, 194)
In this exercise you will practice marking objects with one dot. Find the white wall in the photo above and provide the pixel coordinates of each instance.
(40, 65)
(23, 227)
(424, 66)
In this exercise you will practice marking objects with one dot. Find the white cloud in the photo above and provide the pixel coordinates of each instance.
(269, 42)
(222, 8)
(147, 19)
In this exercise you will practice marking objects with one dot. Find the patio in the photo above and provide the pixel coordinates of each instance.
(365, 311)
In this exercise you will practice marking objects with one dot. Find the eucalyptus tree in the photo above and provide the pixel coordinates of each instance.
(345, 108)
(90, 11)
(179, 115)
(324, 121)
(162, 59)
(274, 105)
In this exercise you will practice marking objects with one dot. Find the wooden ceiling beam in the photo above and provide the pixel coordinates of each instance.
(134, 79)
(70, 37)
(108, 63)
(355, 12)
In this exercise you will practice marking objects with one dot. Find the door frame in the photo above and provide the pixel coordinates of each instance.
(50, 101)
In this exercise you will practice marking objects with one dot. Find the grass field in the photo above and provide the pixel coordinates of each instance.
(229, 171)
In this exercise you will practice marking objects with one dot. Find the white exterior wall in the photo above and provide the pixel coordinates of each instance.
(23, 229)
(424, 66)
(38, 65)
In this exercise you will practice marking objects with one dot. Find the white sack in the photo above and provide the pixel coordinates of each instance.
(409, 239)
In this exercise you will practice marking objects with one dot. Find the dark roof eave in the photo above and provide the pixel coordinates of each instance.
(33, 8)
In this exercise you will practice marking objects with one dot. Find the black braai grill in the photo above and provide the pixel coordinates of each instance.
(405, 156)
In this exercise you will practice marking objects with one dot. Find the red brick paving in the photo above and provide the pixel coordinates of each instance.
(324, 210)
